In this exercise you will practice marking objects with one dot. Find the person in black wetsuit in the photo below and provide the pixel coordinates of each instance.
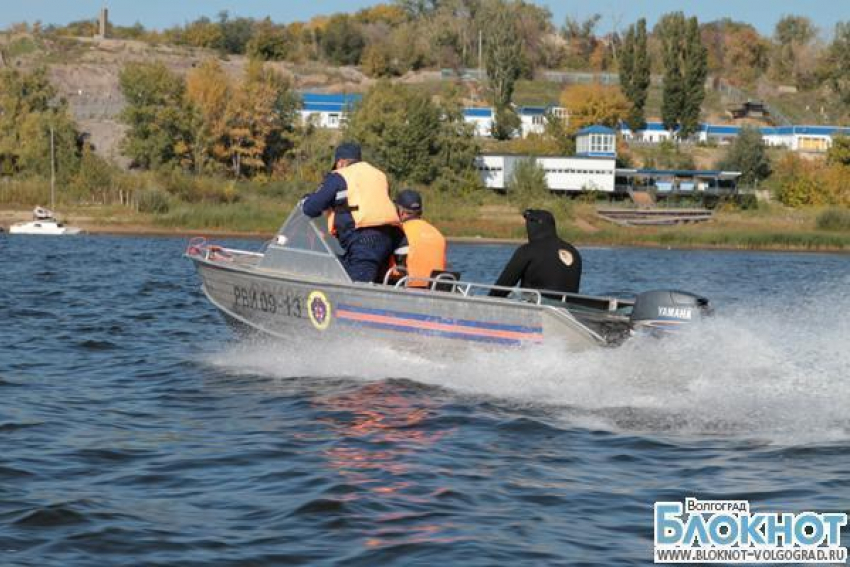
(545, 263)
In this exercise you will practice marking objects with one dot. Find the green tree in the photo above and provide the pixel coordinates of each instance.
(455, 140)
(527, 185)
(200, 33)
(259, 122)
(411, 137)
(668, 155)
(94, 177)
(208, 90)
(839, 152)
(155, 114)
(793, 35)
(235, 33)
(29, 108)
(270, 42)
(377, 60)
(693, 79)
(635, 72)
(581, 39)
(418, 8)
(343, 41)
(503, 60)
(794, 29)
(838, 63)
(561, 134)
(685, 71)
(747, 155)
(626, 62)
(312, 152)
(795, 182)
(671, 31)
(34, 150)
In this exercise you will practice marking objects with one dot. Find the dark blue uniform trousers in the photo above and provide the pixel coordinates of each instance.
(367, 252)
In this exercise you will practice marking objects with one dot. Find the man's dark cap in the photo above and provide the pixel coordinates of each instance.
(347, 150)
(410, 200)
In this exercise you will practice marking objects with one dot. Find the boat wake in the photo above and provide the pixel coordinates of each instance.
(767, 371)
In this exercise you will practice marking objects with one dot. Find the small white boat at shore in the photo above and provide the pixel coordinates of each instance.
(43, 222)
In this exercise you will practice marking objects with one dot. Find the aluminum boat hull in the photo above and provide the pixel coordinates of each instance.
(297, 288)
(286, 307)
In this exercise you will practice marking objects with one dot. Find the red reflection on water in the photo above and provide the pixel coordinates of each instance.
(382, 430)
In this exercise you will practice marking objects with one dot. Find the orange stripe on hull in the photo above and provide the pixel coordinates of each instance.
(432, 326)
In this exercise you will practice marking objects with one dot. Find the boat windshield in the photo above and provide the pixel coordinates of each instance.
(303, 247)
(300, 232)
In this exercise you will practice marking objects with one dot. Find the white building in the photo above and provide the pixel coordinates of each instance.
(327, 110)
(596, 141)
(803, 138)
(795, 138)
(532, 119)
(566, 174)
(481, 118)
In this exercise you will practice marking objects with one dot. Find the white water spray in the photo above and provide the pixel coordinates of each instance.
(776, 370)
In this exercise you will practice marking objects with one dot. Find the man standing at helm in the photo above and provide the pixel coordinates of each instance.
(361, 214)
(546, 262)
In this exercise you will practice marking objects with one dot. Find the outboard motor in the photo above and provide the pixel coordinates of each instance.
(667, 309)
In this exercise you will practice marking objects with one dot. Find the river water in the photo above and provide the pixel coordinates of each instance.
(135, 429)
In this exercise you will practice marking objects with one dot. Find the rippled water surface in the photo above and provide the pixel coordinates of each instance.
(135, 429)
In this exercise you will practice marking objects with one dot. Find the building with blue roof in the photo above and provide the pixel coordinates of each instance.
(532, 119)
(481, 119)
(331, 110)
(327, 110)
(596, 141)
(803, 138)
(795, 138)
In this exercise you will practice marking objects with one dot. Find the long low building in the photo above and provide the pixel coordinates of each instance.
(572, 174)
(796, 138)
(579, 174)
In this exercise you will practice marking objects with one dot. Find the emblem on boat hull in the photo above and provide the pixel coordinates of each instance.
(319, 310)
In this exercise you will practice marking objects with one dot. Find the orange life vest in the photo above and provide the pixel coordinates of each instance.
(368, 196)
(426, 251)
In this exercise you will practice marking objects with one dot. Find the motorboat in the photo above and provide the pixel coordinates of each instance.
(296, 286)
(43, 222)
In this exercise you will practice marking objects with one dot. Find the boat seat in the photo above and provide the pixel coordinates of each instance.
(446, 280)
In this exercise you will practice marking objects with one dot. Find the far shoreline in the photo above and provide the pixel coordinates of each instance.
(145, 231)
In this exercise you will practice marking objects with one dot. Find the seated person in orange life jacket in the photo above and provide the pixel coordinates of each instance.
(422, 249)
(362, 215)
(546, 262)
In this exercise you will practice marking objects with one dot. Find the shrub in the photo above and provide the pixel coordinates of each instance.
(799, 182)
(153, 201)
(747, 154)
(528, 185)
(834, 219)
